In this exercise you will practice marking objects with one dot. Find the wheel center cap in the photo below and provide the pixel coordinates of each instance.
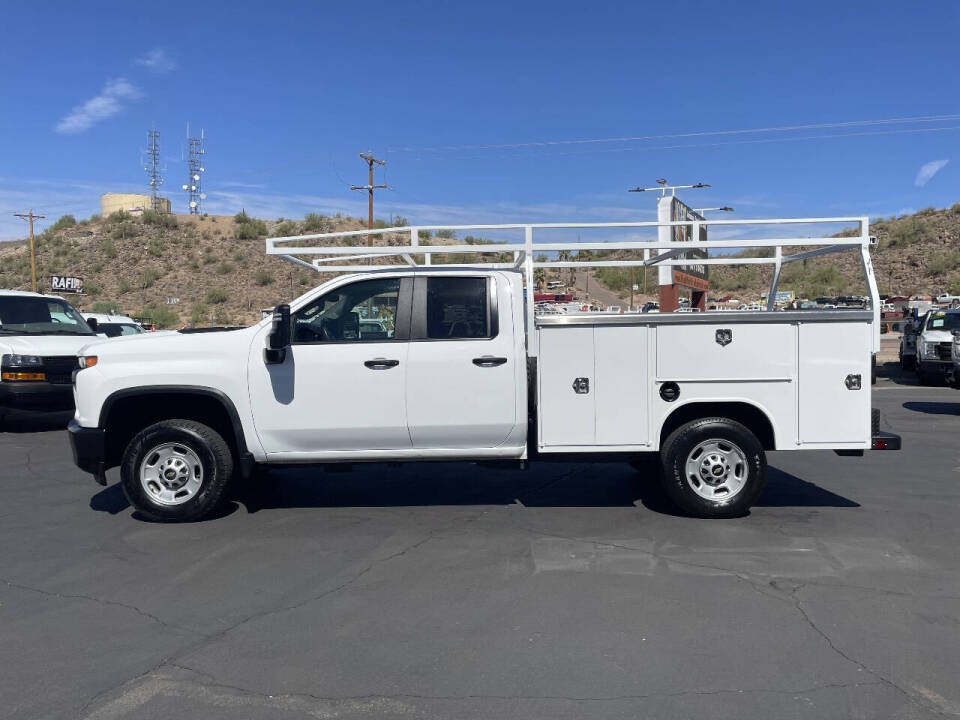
(170, 473)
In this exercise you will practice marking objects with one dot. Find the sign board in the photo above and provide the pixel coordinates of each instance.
(66, 284)
(694, 275)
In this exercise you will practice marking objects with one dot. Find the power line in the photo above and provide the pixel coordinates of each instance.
(370, 187)
(33, 252)
(636, 138)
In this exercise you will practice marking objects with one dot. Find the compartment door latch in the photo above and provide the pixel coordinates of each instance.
(581, 386)
(853, 382)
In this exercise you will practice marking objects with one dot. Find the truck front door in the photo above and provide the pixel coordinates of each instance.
(342, 385)
(462, 372)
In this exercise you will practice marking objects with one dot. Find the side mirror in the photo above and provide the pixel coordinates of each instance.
(92, 322)
(279, 338)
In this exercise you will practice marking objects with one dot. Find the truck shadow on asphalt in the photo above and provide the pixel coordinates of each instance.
(436, 484)
(933, 408)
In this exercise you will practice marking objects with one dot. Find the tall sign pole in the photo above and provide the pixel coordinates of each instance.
(30, 217)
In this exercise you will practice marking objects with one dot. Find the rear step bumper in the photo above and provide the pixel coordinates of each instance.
(879, 439)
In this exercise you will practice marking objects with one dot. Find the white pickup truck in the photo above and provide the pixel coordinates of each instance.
(417, 362)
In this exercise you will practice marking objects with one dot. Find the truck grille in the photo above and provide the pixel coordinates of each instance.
(59, 369)
(943, 350)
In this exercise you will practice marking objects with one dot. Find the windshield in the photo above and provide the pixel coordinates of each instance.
(40, 316)
(118, 329)
(943, 321)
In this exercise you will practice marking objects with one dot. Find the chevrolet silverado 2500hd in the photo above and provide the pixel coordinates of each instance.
(418, 361)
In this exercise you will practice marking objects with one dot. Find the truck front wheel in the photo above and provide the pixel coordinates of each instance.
(713, 467)
(176, 470)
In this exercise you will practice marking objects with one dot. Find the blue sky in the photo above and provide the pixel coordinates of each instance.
(464, 101)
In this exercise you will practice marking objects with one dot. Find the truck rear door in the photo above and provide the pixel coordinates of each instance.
(461, 368)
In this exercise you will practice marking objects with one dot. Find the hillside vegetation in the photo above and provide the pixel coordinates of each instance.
(202, 270)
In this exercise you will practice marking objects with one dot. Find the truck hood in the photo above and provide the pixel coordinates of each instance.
(937, 336)
(45, 345)
(177, 344)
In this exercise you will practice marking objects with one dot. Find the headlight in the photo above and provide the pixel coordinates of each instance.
(86, 361)
(929, 350)
(21, 368)
(18, 361)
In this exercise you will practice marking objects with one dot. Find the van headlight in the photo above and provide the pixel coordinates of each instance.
(87, 361)
(929, 351)
(21, 368)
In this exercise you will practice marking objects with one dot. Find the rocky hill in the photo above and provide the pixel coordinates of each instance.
(198, 270)
(176, 269)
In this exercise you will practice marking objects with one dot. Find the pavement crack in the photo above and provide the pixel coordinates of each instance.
(99, 601)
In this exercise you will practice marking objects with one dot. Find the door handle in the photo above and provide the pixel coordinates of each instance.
(489, 361)
(381, 363)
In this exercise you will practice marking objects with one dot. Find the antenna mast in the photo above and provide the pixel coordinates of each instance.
(194, 184)
(152, 166)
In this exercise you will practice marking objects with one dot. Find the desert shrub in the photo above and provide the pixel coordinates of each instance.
(943, 262)
(954, 284)
(109, 249)
(124, 286)
(446, 234)
(314, 222)
(263, 277)
(155, 247)
(161, 315)
(149, 277)
(198, 313)
(221, 317)
(217, 295)
(285, 228)
(251, 229)
(152, 217)
(104, 307)
(225, 268)
(65, 221)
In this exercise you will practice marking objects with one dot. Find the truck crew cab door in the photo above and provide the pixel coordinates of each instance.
(341, 387)
(462, 366)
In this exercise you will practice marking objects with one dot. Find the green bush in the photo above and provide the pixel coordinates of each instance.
(119, 216)
(109, 249)
(149, 277)
(65, 221)
(446, 234)
(161, 315)
(954, 284)
(198, 314)
(124, 286)
(241, 217)
(263, 277)
(152, 217)
(221, 317)
(155, 247)
(314, 223)
(940, 263)
(285, 228)
(217, 295)
(251, 229)
(225, 268)
(104, 307)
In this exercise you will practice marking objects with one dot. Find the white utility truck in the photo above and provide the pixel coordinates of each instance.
(418, 361)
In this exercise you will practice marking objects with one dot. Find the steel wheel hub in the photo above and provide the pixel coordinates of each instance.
(171, 474)
(716, 470)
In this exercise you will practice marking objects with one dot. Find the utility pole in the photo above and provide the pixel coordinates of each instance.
(33, 252)
(370, 187)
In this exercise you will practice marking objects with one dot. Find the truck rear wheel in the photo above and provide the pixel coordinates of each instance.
(176, 470)
(713, 467)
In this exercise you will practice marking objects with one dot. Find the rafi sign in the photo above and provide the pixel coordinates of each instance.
(66, 284)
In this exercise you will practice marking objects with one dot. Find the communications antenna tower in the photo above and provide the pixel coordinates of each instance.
(194, 184)
(152, 166)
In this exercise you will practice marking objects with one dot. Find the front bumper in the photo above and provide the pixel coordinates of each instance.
(934, 367)
(89, 450)
(41, 396)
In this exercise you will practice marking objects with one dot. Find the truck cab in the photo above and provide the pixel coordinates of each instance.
(934, 345)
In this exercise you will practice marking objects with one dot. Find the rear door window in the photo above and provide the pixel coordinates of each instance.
(457, 308)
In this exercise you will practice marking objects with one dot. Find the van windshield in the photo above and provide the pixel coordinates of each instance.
(25, 315)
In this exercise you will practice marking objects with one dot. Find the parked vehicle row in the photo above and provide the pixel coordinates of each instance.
(927, 345)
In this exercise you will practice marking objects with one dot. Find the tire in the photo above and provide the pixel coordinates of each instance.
(712, 447)
(194, 457)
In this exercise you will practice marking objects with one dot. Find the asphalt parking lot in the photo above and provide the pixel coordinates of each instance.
(449, 591)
